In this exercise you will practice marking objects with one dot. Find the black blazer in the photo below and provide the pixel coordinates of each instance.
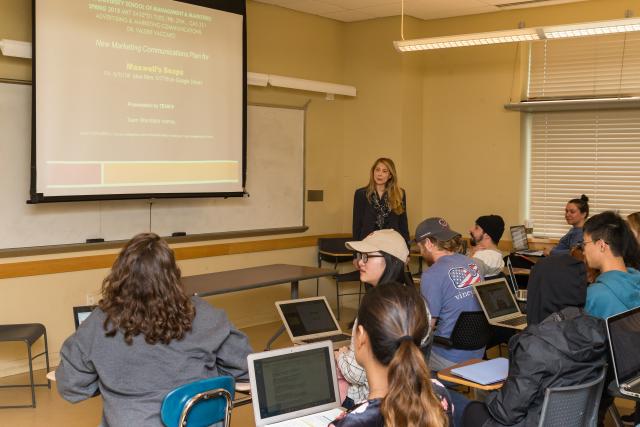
(364, 217)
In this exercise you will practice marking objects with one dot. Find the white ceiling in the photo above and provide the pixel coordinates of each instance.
(359, 10)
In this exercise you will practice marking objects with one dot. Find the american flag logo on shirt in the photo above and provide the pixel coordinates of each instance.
(464, 276)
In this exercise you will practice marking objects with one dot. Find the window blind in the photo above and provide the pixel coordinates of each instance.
(596, 153)
(585, 67)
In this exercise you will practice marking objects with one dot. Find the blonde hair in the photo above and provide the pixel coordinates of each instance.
(394, 192)
(634, 222)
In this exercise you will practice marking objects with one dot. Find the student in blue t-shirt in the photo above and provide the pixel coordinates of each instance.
(446, 286)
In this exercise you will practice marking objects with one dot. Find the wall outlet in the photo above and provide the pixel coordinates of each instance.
(91, 299)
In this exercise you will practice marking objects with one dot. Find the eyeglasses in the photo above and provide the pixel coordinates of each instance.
(581, 245)
(364, 257)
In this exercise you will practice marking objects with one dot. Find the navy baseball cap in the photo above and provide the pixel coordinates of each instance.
(434, 227)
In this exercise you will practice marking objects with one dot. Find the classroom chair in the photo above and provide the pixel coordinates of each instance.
(29, 333)
(471, 332)
(572, 406)
(199, 404)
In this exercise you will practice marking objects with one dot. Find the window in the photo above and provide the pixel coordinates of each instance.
(594, 151)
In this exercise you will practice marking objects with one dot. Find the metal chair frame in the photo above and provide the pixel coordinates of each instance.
(31, 384)
(211, 394)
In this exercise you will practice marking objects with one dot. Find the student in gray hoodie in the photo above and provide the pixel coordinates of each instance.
(610, 246)
(146, 338)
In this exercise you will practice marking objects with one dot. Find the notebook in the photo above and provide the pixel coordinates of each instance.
(623, 331)
(310, 320)
(295, 386)
(520, 242)
(485, 372)
(499, 305)
(81, 312)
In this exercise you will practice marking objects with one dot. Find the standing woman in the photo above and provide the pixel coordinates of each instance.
(381, 204)
(575, 213)
(392, 321)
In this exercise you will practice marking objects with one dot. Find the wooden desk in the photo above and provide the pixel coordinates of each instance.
(446, 375)
(251, 278)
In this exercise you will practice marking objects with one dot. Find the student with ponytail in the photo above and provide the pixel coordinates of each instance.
(392, 322)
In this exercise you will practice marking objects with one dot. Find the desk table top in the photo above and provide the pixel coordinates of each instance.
(446, 375)
(250, 278)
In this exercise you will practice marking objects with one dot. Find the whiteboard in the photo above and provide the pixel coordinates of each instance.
(275, 183)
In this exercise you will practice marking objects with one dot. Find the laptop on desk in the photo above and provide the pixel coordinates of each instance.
(623, 331)
(81, 312)
(310, 320)
(499, 305)
(295, 386)
(520, 242)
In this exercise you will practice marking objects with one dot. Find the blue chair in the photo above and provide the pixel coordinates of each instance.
(199, 404)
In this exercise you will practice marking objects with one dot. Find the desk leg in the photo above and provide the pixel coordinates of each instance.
(280, 331)
(275, 336)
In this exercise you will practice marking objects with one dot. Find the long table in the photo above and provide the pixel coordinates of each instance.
(223, 282)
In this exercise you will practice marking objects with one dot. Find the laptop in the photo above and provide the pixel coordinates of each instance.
(81, 312)
(295, 386)
(520, 294)
(623, 331)
(499, 305)
(520, 242)
(310, 320)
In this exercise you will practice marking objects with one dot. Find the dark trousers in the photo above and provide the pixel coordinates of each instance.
(475, 414)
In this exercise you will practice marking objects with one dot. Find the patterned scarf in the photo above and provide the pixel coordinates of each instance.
(382, 209)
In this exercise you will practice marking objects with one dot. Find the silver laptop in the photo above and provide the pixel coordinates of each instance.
(520, 294)
(520, 242)
(623, 331)
(499, 305)
(295, 386)
(310, 320)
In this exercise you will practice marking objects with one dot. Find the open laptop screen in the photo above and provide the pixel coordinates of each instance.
(81, 312)
(496, 299)
(519, 238)
(308, 317)
(624, 330)
(295, 381)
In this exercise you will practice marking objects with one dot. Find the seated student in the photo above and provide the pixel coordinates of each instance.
(446, 286)
(381, 258)
(575, 213)
(567, 348)
(146, 338)
(391, 323)
(484, 238)
(555, 282)
(610, 246)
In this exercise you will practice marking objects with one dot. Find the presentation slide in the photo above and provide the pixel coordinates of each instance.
(137, 97)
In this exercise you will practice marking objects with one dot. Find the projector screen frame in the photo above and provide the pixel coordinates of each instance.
(232, 6)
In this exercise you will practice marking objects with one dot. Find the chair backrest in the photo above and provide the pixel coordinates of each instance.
(471, 331)
(334, 245)
(572, 406)
(200, 403)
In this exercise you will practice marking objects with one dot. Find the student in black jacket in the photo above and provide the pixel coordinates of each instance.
(567, 348)
(381, 204)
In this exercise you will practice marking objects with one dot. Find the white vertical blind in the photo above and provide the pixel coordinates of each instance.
(596, 153)
(585, 67)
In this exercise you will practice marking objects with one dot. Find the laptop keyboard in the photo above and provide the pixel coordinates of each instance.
(516, 321)
(333, 338)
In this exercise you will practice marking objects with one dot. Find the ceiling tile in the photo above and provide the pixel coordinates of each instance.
(359, 4)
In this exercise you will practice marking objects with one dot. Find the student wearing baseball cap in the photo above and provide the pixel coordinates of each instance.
(381, 258)
(446, 286)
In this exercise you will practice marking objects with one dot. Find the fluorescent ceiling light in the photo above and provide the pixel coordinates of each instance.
(592, 28)
(520, 35)
(15, 48)
(495, 37)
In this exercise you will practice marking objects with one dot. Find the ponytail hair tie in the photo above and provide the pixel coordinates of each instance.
(404, 338)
